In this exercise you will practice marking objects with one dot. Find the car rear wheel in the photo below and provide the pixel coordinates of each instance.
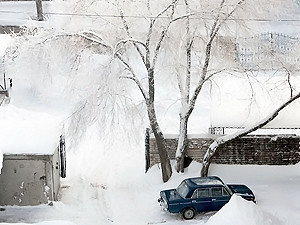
(188, 213)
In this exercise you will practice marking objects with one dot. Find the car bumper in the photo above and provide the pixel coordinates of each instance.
(163, 204)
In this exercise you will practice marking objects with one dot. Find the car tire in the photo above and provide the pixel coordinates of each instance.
(188, 213)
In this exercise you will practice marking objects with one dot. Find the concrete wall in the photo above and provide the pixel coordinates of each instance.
(29, 179)
(267, 150)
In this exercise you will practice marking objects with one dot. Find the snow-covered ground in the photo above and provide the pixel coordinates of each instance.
(133, 199)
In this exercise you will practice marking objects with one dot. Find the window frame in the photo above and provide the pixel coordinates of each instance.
(196, 192)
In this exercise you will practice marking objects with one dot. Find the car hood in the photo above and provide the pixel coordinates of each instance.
(170, 195)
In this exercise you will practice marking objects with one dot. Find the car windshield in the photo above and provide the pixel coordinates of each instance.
(183, 189)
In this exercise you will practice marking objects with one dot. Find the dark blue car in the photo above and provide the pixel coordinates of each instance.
(201, 194)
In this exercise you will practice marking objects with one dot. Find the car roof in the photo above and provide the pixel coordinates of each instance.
(204, 181)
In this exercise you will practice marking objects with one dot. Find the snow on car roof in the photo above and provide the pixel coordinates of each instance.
(28, 132)
(207, 180)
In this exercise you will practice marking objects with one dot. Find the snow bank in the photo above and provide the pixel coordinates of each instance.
(239, 211)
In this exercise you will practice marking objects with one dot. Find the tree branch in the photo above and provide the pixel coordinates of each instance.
(214, 30)
(150, 31)
(130, 36)
(134, 41)
(134, 77)
(222, 140)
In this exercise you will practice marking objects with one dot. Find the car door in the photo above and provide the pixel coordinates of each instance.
(201, 200)
(220, 197)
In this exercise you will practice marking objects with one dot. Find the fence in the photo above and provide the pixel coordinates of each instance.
(260, 150)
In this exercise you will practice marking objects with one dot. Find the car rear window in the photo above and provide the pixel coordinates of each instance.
(183, 189)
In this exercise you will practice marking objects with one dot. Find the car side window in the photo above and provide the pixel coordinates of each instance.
(216, 192)
(201, 193)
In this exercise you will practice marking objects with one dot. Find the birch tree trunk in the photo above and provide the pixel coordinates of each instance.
(161, 146)
(159, 138)
(188, 101)
(184, 87)
(182, 144)
(213, 148)
(144, 51)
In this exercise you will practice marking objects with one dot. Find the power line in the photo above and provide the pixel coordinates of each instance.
(151, 17)
(165, 17)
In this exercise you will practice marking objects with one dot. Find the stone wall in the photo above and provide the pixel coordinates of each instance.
(260, 150)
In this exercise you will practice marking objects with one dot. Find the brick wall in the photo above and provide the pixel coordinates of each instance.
(261, 150)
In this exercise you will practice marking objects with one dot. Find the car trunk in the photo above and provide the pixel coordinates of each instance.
(243, 191)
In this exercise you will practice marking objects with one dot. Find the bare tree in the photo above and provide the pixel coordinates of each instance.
(289, 69)
(145, 51)
(221, 17)
(188, 96)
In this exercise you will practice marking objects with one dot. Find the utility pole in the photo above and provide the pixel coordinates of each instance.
(39, 9)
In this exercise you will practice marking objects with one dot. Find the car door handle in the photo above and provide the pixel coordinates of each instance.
(194, 201)
(214, 199)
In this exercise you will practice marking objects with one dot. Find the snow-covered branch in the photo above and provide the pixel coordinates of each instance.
(94, 37)
(223, 140)
(150, 32)
(131, 40)
(133, 77)
(163, 35)
(138, 83)
(130, 36)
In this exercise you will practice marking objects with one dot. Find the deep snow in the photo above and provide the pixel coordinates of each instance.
(113, 199)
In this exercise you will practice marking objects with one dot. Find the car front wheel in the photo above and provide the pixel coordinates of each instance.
(188, 214)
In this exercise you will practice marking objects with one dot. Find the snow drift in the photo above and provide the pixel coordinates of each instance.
(239, 211)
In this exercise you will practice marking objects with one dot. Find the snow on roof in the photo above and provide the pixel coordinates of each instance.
(28, 132)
